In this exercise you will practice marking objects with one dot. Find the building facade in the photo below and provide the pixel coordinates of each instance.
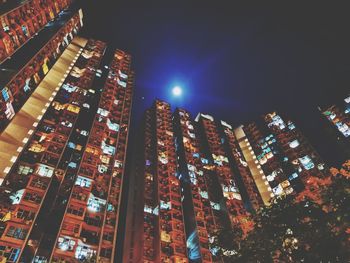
(18, 88)
(337, 117)
(197, 177)
(219, 175)
(189, 158)
(70, 171)
(284, 157)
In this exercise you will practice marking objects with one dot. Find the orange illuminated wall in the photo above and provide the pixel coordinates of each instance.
(90, 223)
(30, 186)
(285, 156)
(219, 159)
(21, 86)
(238, 160)
(162, 235)
(296, 148)
(23, 22)
(196, 172)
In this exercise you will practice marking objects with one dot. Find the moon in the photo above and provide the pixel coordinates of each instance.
(177, 91)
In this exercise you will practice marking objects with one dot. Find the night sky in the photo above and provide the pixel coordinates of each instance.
(233, 61)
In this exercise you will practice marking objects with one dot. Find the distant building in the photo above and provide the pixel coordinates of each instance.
(337, 118)
(218, 176)
(156, 226)
(283, 156)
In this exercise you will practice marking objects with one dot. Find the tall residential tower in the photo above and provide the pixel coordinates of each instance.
(70, 170)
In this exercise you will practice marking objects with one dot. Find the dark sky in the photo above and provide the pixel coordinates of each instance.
(234, 61)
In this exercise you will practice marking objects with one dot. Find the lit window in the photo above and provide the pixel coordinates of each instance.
(107, 149)
(102, 168)
(10, 253)
(165, 205)
(149, 177)
(9, 112)
(150, 210)
(73, 108)
(65, 244)
(121, 83)
(110, 207)
(291, 125)
(5, 94)
(105, 159)
(72, 165)
(192, 135)
(191, 167)
(16, 196)
(294, 144)
(71, 145)
(165, 237)
(320, 166)
(44, 170)
(285, 184)
(196, 155)
(83, 182)
(25, 170)
(204, 194)
(122, 75)
(84, 253)
(95, 204)
(102, 112)
(307, 162)
(270, 177)
(277, 121)
(293, 176)
(278, 190)
(37, 148)
(215, 206)
(193, 181)
(118, 164)
(69, 88)
(17, 232)
(204, 161)
(112, 126)
(162, 157)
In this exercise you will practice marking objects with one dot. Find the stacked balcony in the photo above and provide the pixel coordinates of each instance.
(268, 156)
(206, 222)
(26, 20)
(339, 117)
(283, 153)
(21, 86)
(32, 175)
(243, 169)
(93, 207)
(303, 160)
(151, 207)
(171, 225)
(217, 154)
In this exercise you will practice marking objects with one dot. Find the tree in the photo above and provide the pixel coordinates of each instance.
(289, 232)
(336, 200)
(311, 226)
